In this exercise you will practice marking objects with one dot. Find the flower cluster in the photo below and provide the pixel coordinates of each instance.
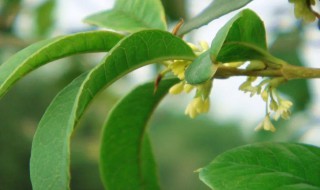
(276, 106)
(201, 102)
(302, 9)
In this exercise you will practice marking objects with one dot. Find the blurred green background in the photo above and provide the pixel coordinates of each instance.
(181, 145)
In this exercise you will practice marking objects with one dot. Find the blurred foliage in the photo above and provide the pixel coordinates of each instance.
(45, 17)
(9, 9)
(183, 145)
(175, 9)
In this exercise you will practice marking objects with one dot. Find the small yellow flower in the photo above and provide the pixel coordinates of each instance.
(264, 95)
(177, 88)
(302, 10)
(201, 103)
(191, 108)
(188, 87)
(266, 124)
(178, 67)
(273, 105)
(283, 110)
(197, 106)
(247, 86)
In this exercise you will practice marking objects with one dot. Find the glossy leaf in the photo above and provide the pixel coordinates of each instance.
(125, 154)
(46, 51)
(203, 65)
(50, 157)
(9, 10)
(215, 10)
(242, 38)
(265, 166)
(131, 16)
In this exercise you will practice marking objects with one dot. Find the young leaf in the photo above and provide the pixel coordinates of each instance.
(50, 157)
(265, 166)
(203, 65)
(45, 51)
(242, 38)
(125, 153)
(215, 10)
(131, 16)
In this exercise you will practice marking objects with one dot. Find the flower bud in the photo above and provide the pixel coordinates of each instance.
(177, 88)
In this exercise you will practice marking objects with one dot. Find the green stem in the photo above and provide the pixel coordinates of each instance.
(289, 72)
(296, 72)
(226, 72)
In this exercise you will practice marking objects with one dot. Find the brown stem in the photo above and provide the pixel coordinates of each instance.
(177, 27)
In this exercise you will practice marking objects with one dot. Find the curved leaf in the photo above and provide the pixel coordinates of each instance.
(131, 16)
(125, 154)
(265, 166)
(243, 38)
(203, 65)
(45, 51)
(244, 28)
(215, 10)
(50, 149)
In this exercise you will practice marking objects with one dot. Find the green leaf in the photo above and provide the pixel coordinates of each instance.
(45, 17)
(45, 51)
(203, 65)
(131, 16)
(50, 157)
(242, 38)
(125, 154)
(265, 166)
(215, 10)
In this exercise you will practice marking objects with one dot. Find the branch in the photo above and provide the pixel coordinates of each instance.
(289, 72)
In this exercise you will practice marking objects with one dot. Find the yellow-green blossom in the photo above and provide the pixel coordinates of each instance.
(178, 67)
(200, 104)
(266, 124)
(273, 105)
(264, 95)
(177, 88)
(247, 86)
(279, 106)
(303, 10)
(197, 106)
(188, 88)
(283, 110)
